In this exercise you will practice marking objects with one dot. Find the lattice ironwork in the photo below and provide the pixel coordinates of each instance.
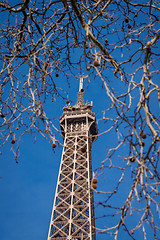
(73, 209)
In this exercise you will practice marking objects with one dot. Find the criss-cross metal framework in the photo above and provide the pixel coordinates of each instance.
(73, 208)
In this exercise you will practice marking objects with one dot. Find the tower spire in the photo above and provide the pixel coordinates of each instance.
(80, 100)
(80, 83)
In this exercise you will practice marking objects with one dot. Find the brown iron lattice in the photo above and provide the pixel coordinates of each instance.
(73, 208)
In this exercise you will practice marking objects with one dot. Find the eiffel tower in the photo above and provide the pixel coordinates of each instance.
(73, 208)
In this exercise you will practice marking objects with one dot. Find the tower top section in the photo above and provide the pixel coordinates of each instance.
(79, 118)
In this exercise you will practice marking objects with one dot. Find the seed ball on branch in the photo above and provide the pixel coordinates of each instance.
(67, 101)
(143, 144)
(54, 145)
(94, 180)
(126, 20)
(94, 186)
(142, 135)
(132, 159)
(96, 63)
(106, 42)
(13, 141)
(2, 115)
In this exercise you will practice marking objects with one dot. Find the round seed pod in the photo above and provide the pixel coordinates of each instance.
(2, 115)
(57, 75)
(94, 180)
(96, 63)
(142, 135)
(13, 141)
(67, 101)
(143, 144)
(126, 20)
(132, 159)
(94, 186)
(54, 145)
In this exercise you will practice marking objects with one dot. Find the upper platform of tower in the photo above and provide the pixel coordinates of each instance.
(79, 107)
(78, 117)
